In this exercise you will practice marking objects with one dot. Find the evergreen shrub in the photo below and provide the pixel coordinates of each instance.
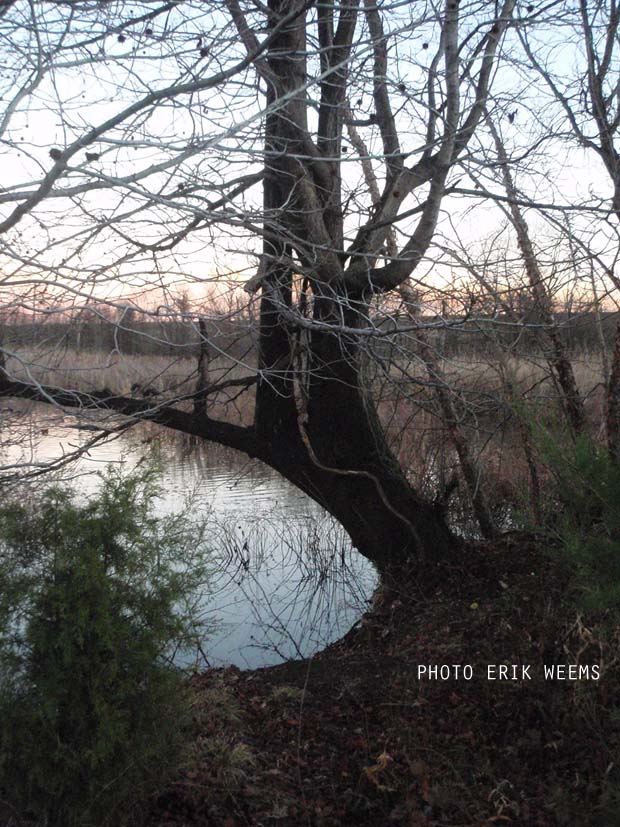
(92, 600)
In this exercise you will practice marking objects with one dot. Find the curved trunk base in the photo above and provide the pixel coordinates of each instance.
(385, 519)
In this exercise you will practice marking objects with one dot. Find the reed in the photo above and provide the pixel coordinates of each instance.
(492, 393)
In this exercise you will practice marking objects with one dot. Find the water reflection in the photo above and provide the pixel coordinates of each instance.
(286, 580)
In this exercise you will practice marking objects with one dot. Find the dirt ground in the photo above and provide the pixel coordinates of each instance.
(361, 735)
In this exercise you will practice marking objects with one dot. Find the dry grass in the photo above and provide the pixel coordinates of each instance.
(82, 370)
(492, 394)
(529, 374)
(120, 373)
(497, 400)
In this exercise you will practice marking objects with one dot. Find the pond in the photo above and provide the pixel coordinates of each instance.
(286, 579)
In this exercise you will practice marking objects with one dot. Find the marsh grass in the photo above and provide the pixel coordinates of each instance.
(497, 397)
(491, 389)
(167, 378)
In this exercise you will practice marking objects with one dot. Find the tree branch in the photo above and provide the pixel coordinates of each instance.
(233, 436)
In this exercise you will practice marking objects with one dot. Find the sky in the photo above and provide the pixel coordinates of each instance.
(186, 151)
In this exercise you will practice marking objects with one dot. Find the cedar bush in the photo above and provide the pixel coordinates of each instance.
(588, 489)
(91, 603)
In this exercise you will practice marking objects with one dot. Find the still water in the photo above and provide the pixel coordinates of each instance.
(286, 581)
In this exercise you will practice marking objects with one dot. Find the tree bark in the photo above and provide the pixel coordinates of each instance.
(317, 419)
(370, 495)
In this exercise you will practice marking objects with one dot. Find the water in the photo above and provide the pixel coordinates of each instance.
(286, 579)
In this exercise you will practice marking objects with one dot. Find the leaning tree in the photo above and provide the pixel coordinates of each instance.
(306, 147)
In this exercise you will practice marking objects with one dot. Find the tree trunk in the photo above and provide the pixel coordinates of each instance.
(312, 409)
(327, 440)
(385, 517)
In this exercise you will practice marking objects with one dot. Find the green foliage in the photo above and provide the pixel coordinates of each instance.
(91, 602)
(588, 489)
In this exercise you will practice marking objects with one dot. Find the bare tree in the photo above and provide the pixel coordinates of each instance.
(557, 354)
(203, 116)
(589, 102)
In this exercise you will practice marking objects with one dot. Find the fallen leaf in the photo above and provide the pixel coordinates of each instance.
(382, 763)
